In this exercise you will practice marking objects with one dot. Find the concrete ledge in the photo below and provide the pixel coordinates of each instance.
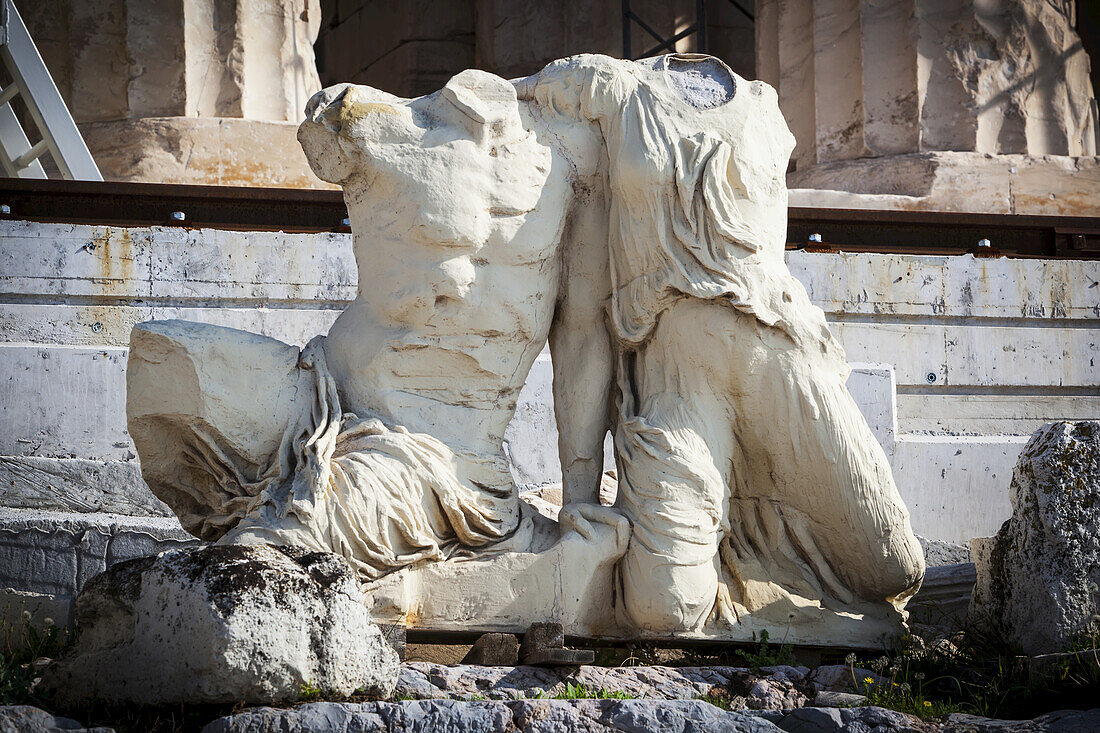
(47, 557)
(77, 485)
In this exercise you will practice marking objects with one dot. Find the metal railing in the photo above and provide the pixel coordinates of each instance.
(698, 27)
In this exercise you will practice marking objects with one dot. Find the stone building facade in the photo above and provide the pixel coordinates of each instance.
(897, 104)
(934, 104)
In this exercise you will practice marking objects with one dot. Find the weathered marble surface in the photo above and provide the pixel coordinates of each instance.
(72, 293)
(1037, 578)
(953, 181)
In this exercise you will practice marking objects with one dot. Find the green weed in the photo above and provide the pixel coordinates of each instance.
(25, 651)
(767, 655)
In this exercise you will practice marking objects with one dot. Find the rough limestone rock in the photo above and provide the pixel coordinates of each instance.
(1037, 578)
(27, 719)
(1060, 721)
(530, 716)
(773, 688)
(221, 624)
(852, 720)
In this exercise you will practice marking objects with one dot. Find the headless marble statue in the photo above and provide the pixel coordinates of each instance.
(632, 213)
(385, 443)
(752, 482)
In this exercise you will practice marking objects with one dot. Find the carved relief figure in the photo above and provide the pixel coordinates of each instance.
(391, 452)
(633, 214)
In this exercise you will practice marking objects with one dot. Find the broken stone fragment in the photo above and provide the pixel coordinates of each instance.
(494, 650)
(1037, 578)
(544, 645)
(223, 624)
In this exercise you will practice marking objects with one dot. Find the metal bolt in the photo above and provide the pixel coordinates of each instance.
(177, 216)
(930, 378)
(5, 209)
(97, 327)
(815, 237)
(984, 243)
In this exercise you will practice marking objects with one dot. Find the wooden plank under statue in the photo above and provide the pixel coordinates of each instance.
(633, 213)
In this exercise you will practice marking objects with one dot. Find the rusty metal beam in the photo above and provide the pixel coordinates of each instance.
(148, 204)
(298, 210)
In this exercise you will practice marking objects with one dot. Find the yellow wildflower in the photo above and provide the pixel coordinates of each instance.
(927, 704)
(868, 680)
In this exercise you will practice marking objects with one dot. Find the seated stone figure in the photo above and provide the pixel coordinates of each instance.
(383, 440)
(756, 491)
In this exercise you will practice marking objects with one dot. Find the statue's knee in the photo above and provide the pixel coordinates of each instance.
(902, 569)
(667, 598)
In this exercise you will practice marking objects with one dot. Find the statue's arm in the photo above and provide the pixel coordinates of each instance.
(570, 94)
(580, 345)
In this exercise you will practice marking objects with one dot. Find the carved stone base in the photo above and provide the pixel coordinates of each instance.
(571, 581)
(951, 181)
(202, 150)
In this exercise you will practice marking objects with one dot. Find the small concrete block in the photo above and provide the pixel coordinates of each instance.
(494, 650)
(544, 644)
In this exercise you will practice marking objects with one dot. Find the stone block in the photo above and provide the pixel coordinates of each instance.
(953, 181)
(1037, 578)
(80, 411)
(203, 150)
(223, 624)
(76, 485)
(944, 596)
(494, 650)
(51, 555)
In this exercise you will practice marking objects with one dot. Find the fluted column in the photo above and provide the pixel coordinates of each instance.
(870, 84)
(196, 91)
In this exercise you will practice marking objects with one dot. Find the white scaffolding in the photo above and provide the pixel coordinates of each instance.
(31, 81)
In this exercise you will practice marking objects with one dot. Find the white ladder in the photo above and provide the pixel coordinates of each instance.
(31, 80)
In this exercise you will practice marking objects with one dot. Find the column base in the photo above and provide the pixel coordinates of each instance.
(201, 150)
(951, 181)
